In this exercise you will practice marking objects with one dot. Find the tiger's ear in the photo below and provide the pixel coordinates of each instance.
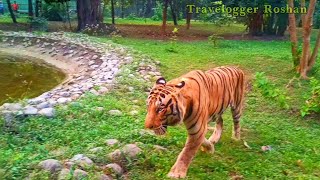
(161, 81)
(181, 84)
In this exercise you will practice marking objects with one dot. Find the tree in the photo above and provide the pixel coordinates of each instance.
(13, 17)
(112, 11)
(164, 16)
(89, 13)
(30, 8)
(306, 61)
(173, 12)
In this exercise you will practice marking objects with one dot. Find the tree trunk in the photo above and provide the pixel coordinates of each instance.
(255, 23)
(164, 17)
(13, 17)
(307, 27)
(68, 14)
(122, 9)
(36, 10)
(30, 8)
(293, 36)
(112, 11)
(313, 57)
(173, 12)
(189, 15)
(89, 13)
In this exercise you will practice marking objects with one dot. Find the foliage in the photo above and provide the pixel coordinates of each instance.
(220, 19)
(312, 104)
(39, 24)
(173, 41)
(214, 39)
(132, 16)
(157, 14)
(270, 90)
(54, 12)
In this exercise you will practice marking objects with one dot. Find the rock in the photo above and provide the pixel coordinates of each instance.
(65, 94)
(131, 150)
(115, 112)
(12, 106)
(144, 132)
(96, 150)
(115, 168)
(91, 63)
(79, 174)
(48, 112)
(103, 90)
(266, 148)
(51, 165)
(134, 112)
(64, 174)
(94, 92)
(82, 160)
(94, 57)
(100, 108)
(111, 142)
(63, 100)
(43, 105)
(8, 117)
(105, 177)
(69, 164)
(131, 89)
(52, 102)
(116, 156)
(160, 148)
(30, 110)
(35, 101)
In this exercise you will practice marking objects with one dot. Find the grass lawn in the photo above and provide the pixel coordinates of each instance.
(295, 141)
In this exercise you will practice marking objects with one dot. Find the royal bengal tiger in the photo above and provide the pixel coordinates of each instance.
(195, 99)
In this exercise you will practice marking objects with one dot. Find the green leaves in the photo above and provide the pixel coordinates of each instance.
(312, 104)
(269, 90)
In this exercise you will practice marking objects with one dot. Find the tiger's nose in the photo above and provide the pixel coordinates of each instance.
(148, 125)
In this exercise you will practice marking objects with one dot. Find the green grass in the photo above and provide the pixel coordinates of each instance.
(295, 141)
(7, 19)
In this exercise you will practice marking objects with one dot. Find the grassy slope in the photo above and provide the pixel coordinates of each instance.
(295, 141)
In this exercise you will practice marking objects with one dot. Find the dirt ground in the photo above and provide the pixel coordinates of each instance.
(150, 32)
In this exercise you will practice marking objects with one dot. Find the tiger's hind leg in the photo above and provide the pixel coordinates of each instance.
(236, 114)
(215, 137)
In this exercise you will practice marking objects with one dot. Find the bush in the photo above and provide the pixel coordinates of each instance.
(214, 39)
(270, 90)
(132, 16)
(54, 12)
(39, 24)
(312, 104)
(157, 12)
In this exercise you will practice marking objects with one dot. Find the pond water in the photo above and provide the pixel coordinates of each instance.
(22, 78)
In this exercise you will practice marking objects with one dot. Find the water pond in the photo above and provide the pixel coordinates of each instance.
(25, 77)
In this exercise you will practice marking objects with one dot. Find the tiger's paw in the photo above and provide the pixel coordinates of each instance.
(209, 150)
(236, 137)
(177, 175)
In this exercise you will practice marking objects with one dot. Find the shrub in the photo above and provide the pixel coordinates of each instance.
(312, 104)
(173, 41)
(54, 12)
(214, 39)
(270, 90)
(132, 16)
(39, 24)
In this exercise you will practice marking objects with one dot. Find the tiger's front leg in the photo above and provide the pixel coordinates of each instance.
(180, 168)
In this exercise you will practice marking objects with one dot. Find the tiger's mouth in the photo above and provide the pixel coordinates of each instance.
(161, 130)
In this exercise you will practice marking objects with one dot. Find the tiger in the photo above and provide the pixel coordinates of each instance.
(196, 98)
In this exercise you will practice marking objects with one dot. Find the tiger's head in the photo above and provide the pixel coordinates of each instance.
(163, 106)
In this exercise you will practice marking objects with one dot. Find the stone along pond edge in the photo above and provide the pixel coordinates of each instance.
(90, 66)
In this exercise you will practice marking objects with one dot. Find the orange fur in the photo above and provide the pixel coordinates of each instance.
(195, 99)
